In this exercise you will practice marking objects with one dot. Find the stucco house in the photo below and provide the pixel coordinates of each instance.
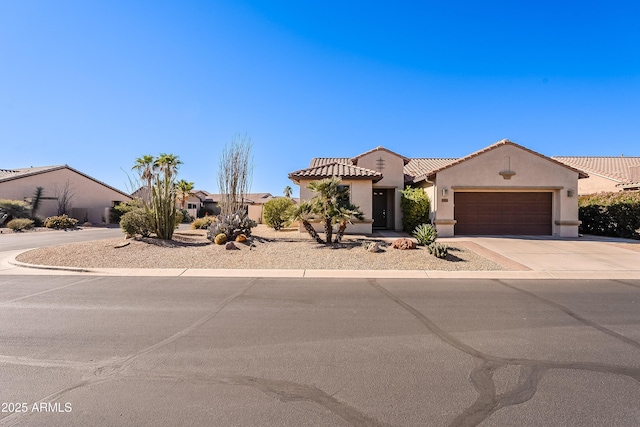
(605, 173)
(88, 199)
(503, 189)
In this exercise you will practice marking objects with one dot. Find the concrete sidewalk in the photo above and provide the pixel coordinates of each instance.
(523, 257)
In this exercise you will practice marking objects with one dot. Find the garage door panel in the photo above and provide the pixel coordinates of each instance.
(500, 213)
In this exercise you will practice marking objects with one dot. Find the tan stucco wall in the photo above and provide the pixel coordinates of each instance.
(88, 195)
(596, 184)
(393, 177)
(360, 194)
(255, 213)
(533, 173)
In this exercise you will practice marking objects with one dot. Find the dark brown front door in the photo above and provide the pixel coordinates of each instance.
(380, 208)
(502, 213)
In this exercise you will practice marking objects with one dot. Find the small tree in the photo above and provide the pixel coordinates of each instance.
(415, 208)
(330, 203)
(35, 201)
(303, 213)
(276, 212)
(235, 171)
(287, 191)
(64, 195)
(160, 202)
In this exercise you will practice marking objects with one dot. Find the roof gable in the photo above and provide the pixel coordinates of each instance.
(430, 175)
(11, 174)
(354, 160)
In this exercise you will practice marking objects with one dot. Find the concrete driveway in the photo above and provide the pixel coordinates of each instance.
(584, 257)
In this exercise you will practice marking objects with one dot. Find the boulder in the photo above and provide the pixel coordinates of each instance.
(404, 244)
(374, 247)
(231, 247)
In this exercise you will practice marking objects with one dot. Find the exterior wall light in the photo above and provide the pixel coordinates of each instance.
(569, 193)
(445, 192)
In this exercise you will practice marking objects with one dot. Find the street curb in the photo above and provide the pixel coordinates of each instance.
(48, 267)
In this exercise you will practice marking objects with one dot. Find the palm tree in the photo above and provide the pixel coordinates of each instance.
(302, 213)
(328, 194)
(185, 190)
(168, 164)
(287, 192)
(145, 166)
(346, 212)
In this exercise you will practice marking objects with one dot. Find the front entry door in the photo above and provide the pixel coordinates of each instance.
(380, 208)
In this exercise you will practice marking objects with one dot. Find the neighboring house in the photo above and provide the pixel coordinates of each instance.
(255, 203)
(87, 198)
(605, 173)
(503, 189)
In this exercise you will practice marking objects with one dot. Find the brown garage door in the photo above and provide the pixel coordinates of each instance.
(502, 213)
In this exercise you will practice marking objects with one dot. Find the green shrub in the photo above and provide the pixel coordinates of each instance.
(20, 224)
(276, 212)
(117, 211)
(425, 234)
(415, 208)
(232, 226)
(438, 250)
(14, 208)
(60, 222)
(611, 214)
(186, 216)
(202, 223)
(137, 221)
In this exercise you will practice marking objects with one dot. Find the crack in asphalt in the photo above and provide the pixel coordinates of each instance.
(531, 371)
(78, 282)
(282, 390)
(573, 314)
(101, 372)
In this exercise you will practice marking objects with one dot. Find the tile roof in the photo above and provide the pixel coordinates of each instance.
(422, 166)
(625, 170)
(319, 161)
(9, 174)
(335, 168)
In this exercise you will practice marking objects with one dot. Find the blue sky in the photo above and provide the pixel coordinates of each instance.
(95, 84)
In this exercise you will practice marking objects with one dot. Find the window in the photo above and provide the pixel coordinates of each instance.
(191, 206)
(343, 197)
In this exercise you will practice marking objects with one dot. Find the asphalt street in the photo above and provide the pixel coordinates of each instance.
(10, 241)
(87, 350)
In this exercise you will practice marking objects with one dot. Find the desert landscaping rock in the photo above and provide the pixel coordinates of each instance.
(265, 249)
(404, 244)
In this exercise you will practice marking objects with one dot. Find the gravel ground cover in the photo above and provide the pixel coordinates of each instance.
(266, 249)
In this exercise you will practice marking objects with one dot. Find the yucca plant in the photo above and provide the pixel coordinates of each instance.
(425, 234)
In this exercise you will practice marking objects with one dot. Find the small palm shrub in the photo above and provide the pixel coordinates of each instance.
(232, 226)
(20, 224)
(438, 250)
(60, 222)
(276, 212)
(202, 223)
(137, 221)
(425, 234)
